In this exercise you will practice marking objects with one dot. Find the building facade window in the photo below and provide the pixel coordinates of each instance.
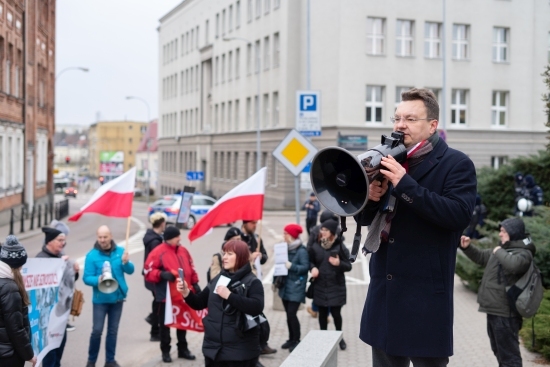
(499, 109)
(223, 68)
(276, 4)
(275, 108)
(230, 66)
(230, 19)
(248, 113)
(404, 40)
(249, 11)
(258, 8)
(237, 63)
(249, 59)
(217, 34)
(277, 52)
(267, 6)
(265, 106)
(223, 22)
(266, 53)
(374, 103)
(498, 161)
(238, 14)
(257, 56)
(398, 92)
(461, 41)
(376, 38)
(500, 44)
(459, 107)
(230, 116)
(237, 115)
(432, 40)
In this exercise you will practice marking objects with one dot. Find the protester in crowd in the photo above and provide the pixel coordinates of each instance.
(313, 310)
(504, 265)
(257, 249)
(478, 219)
(414, 245)
(161, 267)
(15, 329)
(153, 238)
(232, 233)
(312, 208)
(534, 191)
(329, 260)
(53, 248)
(225, 343)
(60, 226)
(106, 305)
(293, 287)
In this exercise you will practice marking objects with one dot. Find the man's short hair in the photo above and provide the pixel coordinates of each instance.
(157, 219)
(426, 96)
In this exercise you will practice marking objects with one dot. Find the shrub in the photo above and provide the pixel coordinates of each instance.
(542, 329)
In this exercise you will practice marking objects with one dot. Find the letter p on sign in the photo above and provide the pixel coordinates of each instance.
(308, 102)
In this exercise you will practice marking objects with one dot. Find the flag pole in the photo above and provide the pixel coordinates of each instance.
(127, 235)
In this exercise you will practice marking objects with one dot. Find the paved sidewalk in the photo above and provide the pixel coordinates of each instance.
(471, 344)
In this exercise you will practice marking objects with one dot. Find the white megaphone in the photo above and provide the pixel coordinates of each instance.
(525, 205)
(108, 284)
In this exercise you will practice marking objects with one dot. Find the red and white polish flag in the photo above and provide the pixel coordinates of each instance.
(244, 202)
(113, 199)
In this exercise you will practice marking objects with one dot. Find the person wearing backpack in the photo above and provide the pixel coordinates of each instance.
(504, 265)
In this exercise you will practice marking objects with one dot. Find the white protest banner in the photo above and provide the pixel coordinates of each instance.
(50, 285)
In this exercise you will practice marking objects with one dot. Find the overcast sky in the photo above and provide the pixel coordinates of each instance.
(117, 40)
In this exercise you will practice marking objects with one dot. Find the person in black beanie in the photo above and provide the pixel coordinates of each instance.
(504, 265)
(329, 260)
(15, 332)
(54, 244)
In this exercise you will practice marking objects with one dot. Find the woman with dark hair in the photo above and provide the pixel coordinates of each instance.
(329, 260)
(15, 330)
(225, 342)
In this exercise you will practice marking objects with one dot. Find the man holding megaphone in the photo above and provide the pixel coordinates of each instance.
(104, 270)
(408, 314)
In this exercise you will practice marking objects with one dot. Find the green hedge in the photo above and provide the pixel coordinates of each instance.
(542, 329)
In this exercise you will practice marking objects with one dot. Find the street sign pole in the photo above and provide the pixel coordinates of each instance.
(297, 197)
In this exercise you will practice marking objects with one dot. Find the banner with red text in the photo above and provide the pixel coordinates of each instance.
(179, 314)
(50, 286)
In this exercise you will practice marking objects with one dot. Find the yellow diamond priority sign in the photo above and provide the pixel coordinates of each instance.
(295, 152)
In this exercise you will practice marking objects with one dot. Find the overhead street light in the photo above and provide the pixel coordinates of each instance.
(147, 144)
(71, 68)
(258, 74)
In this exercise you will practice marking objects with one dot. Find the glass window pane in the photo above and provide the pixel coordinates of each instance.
(378, 94)
(369, 93)
(494, 98)
(463, 117)
(494, 117)
(453, 116)
(368, 114)
(502, 117)
(378, 114)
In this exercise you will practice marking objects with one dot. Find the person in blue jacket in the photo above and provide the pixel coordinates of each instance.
(106, 304)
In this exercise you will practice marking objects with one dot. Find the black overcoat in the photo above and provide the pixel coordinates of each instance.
(409, 306)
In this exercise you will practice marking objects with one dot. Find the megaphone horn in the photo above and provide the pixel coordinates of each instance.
(108, 283)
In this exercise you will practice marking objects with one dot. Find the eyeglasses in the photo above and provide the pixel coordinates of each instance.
(408, 120)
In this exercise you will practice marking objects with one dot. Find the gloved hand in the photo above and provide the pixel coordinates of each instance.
(166, 275)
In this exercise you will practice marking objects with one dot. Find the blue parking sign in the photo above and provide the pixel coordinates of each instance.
(308, 112)
(308, 102)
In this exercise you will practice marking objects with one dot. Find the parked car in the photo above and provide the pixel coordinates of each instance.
(170, 205)
(71, 191)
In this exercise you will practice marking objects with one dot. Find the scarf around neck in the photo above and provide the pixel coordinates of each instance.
(379, 229)
(294, 244)
(5, 271)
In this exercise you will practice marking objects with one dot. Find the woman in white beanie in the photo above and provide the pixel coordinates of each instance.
(15, 331)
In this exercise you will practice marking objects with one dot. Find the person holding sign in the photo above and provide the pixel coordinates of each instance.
(106, 305)
(292, 288)
(231, 296)
(329, 260)
(161, 267)
(15, 329)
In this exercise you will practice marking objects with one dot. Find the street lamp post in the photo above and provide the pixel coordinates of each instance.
(148, 171)
(258, 134)
(71, 68)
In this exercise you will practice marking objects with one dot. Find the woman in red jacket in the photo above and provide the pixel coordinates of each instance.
(161, 267)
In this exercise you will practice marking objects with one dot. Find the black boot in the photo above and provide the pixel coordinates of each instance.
(343, 344)
(166, 357)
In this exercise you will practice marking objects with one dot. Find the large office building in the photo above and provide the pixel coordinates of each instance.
(27, 86)
(224, 65)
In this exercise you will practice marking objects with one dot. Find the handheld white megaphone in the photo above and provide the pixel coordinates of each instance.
(108, 284)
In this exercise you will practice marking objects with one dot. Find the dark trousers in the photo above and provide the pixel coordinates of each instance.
(381, 359)
(13, 361)
(113, 312)
(503, 333)
(291, 309)
(164, 334)
(212, 363)
(53, 358)
(335, 311)
(154, 318)
(310, 223)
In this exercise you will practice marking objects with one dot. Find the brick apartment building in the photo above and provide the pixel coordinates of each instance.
(27, 103)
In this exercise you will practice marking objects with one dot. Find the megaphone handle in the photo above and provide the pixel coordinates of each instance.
(356, 242)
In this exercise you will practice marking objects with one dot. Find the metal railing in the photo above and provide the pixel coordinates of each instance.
(41, 214)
